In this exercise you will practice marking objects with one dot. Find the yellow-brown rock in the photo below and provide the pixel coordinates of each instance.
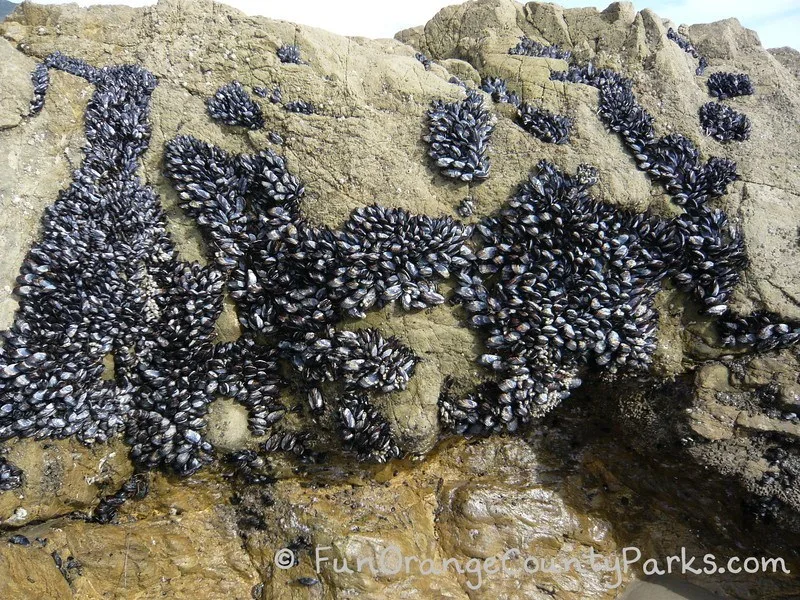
(684, 457)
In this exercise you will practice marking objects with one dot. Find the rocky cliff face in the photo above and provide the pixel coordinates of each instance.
(700, 451)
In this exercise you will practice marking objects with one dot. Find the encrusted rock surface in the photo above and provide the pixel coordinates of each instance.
(788, 57)
(702, 453)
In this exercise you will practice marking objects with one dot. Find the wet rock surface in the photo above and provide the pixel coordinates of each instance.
(702, 451)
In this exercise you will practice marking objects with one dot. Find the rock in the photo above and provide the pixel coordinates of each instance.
(14, 99)
(701, 452)
(788, 57)
(725, 40)
(61, 477)
(171, 544)
(31, 573)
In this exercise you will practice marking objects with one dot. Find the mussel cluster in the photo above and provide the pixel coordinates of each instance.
(426, 62)
(113, 331)
(528, 47)
(498, 89)
(686, 46)
(115, 334)
(293, 282)
(730, 85)
(723, 123)
(300, 106)
(232, 105)
(458, 138)
(544, 125)
(563, 283)
(10, 475)
(289, 53)
(274, 95)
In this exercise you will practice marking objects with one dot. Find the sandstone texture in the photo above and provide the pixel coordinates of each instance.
(701, 453)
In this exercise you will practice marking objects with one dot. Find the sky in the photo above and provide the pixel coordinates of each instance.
(777, 22)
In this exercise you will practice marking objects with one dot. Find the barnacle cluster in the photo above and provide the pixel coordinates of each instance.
(528, 47)
(723, 123)
(544, 125)
(730, 85)
(458, 141)
(498, 89)
(289, 53)
(232, 105)
(687, 47)
(426, 62)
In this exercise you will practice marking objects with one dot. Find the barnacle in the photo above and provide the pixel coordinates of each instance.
(544, 125)
(458, 141)
(232, 105)
(723, 123)
(730, 85)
